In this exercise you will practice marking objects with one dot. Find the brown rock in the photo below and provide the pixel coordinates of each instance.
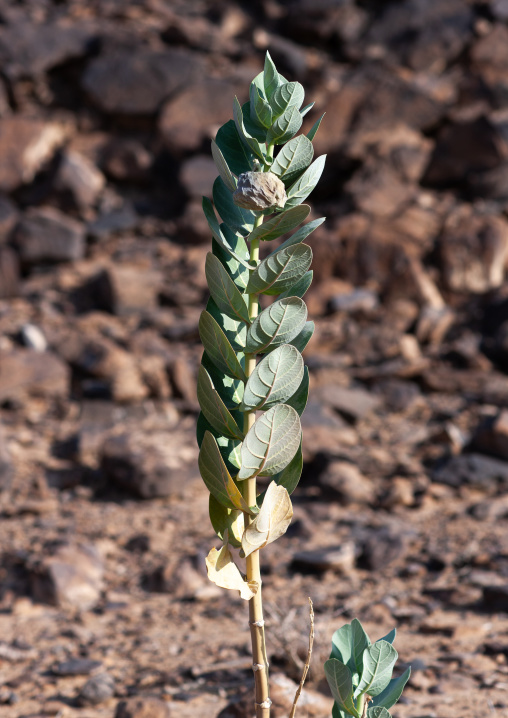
(136, 82)
(346, 481)
(78, 180)
(8, 217)
(29, 373)
(123, 289)
(127, 160)
(47, 235)
(489, 56)
(142, 707)
(473, 251)
(196, 113)
(9, 273)
(26, 145)
(352, 403)
(6, 465)
(70, 576)
(492, 436)
(379, 190)
(197, 175)
(150, 465)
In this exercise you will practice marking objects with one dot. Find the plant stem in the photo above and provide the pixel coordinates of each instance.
(256, 622)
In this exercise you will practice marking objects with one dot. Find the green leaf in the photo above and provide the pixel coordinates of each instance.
(342, 645)
(315, 127)
(271, 442)
(240, 220)
(290, 476)
(235, 330)
(289, 94)
(390, 636)
(224, 519)
(238, 156)
(222, 167)
(238, 272)
(293, 159)
(303, 186)
(218, 347)
(360, 641)
(274, 380)
(304, 337)
(280, 271)
(278, 324)
(214, 408)
(271, 78)
(284, 127)
(217, 478)
(300, 287)
(260, 110)
(229, 448)
(224, 291)
(302, 233)
(341, 685)
(246, 138)
(378, 662)
(230, 390)
(377, 712)
(217, 232)
(306, 109)
(280, 224)
(299, 399)
(393, 691)
(252, 126)
(337, 713)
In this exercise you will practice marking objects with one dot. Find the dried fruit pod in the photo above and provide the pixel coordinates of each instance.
(259, 191)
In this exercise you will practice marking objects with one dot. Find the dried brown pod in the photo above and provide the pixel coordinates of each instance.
(259, 190)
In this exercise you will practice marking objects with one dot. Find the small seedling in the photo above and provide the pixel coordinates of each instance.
(359, 673)
(249, 429)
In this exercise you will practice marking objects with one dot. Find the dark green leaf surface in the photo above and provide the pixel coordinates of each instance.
(222, 167)
(393, 691)
(217, 232)
(240, 220)
(293, 159)
(280, 271)
(235, 330)
(299, 288)
(238, 156)
(304, 337)
(224, 291)
(238, 272)
(260, 110)
(280, 223)
(303, 186)
(359, 641)
(229, 448)
(341, 685)
(218, 347)
(253, 145)
(216, 476)
(271, 442)
(302, 233)
(278, 324)
(299, 399)
(274, 380)
(315, 127)
(290, 476)
(214, 408)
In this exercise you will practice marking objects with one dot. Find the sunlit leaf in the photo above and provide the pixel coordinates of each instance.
(302, 233)
(306, 109)
(293, 159)
(229, 448)
(303, 186)
(271, 442)
(315, 127)
(278, 324)
(280, 271)
(341, 685)
(393, 691)
(214, 408)
(230, 520)
(223, 571)
(274, 380)
(289, 94)
(299, 288)
(304, 337)
(218, 347)
(217, 478)
(280, 224)
(290, 476)
(222, 167)
(284, 127)
(224, 291)
(271, 78)
(378, 662)
(238, 272)
(299, 399)
(377, 712)
(247, 138)
(271, 522)
(260, 110)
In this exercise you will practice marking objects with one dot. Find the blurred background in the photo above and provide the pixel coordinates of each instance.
(107, 109)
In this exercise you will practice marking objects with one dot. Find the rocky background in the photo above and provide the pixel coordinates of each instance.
(107, 109)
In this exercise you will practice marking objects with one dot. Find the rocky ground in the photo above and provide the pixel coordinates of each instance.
(106, 113)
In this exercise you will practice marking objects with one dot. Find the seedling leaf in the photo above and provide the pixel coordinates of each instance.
(378, 662)
(340, 681)
(393, 691)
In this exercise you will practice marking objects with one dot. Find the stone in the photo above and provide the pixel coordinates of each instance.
(76, 667)
(30, 49)
(352, 403)
(196, 113)
(71, 575)
(489, 57)
(123, 289)
(358, 300)
(137, 81)
(336, 558)
(9, 273)
(142, 707)
(33, 337)
(149, 465)
(473, 250)
(345, 481)
(97, 689)
(495, 599)
(6, 465)
(491, 437)
(24, 373)
(379, 190)
(381, 548)
(118, 219)
(48, 235)
(197, 175)
(26, 145)
(78, 181)
(8, 217)
(127, 160)
(472, 470)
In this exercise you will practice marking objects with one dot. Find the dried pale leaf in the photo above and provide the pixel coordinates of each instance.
(272, 521)
(223, 571)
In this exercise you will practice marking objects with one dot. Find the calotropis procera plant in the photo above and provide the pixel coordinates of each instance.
(252, 382)
(359, 673)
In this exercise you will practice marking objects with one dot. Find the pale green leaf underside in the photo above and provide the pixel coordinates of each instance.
(271, 442)
(218, 347)
(214, 408)
(224, 291)
(304, 336)
(341, 685)
(378, 662)
(377, 712)
(274, 380)
(280, 271)
(278, 324)
(289, 94)
(302, 233)
(222, 167)
(299, 288)
(216, 476)
(393, 691)
(303, 186)
(260, 110)
(217, 233)
(285, 126)
(293, 158)
(248, 140)
(290, 476)
(299, 399)
(280, 224)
